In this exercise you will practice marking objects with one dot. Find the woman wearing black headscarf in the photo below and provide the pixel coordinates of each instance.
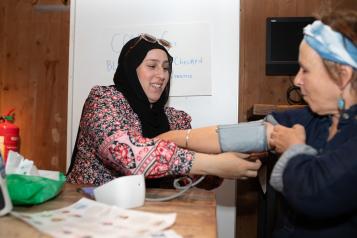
(119, 125)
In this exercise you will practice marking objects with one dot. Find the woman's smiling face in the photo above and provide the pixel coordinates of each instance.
(153, 74)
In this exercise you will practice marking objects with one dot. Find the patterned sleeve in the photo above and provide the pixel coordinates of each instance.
(115, 133)
(178, 120)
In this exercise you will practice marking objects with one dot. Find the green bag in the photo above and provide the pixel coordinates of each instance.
(30, 190)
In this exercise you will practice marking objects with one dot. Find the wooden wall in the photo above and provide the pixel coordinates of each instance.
(34, 44)
(256, 87)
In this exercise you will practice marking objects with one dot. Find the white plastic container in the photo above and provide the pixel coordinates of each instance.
(124, 192)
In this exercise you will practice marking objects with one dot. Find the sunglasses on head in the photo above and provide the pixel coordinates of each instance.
(152, 39)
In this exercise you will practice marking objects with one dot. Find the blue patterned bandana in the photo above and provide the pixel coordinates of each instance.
(330, 45)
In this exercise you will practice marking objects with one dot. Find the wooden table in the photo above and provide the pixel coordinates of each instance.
(196, 213)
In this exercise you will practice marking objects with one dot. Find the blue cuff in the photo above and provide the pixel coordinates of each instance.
(243, 137)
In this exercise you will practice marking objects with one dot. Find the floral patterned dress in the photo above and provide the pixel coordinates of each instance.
(110, 143)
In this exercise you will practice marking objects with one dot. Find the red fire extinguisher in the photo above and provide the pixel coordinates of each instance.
(9, 134)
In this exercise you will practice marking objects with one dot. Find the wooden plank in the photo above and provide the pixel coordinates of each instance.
(34, 79)
(265, 109)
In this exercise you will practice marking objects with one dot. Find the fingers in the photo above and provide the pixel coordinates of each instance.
(251, 174)
(298, 127)
(274, 134)
(257, 155)
(251, 169)
(253, 165)
(230, 165)
(277, 128)
(242, 155)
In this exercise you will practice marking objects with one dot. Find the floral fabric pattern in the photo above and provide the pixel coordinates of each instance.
(110, 143)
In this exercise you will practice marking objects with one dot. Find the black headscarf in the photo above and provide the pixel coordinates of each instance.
(153, 118)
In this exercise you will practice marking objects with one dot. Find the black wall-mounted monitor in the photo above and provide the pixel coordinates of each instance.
(283, 37)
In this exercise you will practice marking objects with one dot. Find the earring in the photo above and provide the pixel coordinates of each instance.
(341, 104)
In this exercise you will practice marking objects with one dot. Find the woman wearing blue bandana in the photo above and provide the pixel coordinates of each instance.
(317, 170)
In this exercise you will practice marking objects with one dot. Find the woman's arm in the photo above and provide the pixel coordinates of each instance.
(203, 139)
(318, 185)
(244, 137)
(229, 165)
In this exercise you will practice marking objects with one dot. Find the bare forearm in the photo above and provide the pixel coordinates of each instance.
(203, 139)
(226, 165)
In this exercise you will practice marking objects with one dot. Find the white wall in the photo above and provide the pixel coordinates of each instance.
(89, 17)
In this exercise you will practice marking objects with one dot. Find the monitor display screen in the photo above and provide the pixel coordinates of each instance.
(283, 37)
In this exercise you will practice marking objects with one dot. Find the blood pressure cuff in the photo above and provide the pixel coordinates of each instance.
(245, 137)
